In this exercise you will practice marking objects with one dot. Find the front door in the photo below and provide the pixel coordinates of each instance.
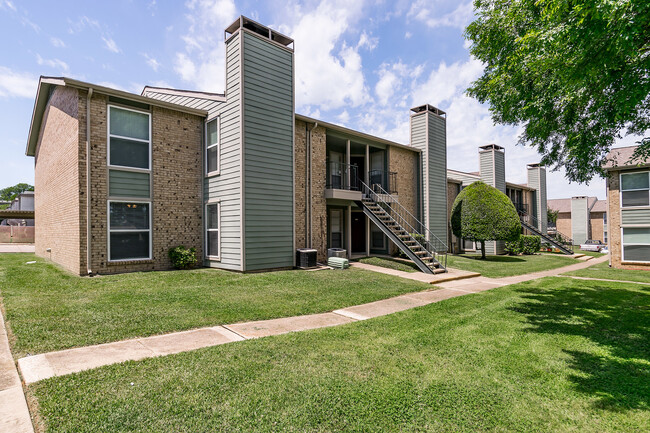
(358, 232)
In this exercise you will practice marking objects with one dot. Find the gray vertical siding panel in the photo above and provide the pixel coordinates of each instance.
(486, 167)
(500, 171)
(438, 176)
(268, 114)
(579, 220)
(543, 216)
(128, 184)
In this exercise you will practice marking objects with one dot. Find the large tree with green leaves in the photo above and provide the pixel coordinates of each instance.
(574, 73)
(483, 213)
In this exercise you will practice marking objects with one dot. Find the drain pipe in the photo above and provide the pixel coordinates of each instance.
(308, 186)
(88, 225)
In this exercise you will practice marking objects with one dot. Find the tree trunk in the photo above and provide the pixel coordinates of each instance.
(482, 250)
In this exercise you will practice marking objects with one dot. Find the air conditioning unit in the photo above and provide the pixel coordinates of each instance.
(306, 258)
(337, 252)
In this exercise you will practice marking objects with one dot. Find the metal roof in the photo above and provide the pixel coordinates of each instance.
(187, 98)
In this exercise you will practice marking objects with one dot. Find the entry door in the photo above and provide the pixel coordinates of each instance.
(358, 232)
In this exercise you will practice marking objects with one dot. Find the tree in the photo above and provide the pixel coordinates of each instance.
(483, 213)
(574, 73)
(551, 215)
(11, 192)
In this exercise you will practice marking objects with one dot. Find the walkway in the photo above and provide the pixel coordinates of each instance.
(43, 366)
(17, 248)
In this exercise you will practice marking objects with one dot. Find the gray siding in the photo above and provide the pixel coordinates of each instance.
(465, 178)
(437, 171)
(486, 167)
(128, 184)
(537, 180)
(635, 217)
(500, 171)
(268, 116)
(492, 168)
(579, 220)
(226, 186)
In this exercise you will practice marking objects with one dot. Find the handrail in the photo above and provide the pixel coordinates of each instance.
(433, 245)
(560, 237)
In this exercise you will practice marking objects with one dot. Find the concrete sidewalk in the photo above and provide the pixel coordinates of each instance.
(42, 366)
(14, 414)
(17, 248)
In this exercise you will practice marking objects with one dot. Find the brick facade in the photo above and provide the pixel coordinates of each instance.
(56, 181)
(405, 163)
(318, 179)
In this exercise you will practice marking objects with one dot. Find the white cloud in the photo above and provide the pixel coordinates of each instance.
(152, 62)
(57, 43)
(408, 35)
(57, 64)
(83, 23)
(202, 62)
(14, 84)
(7, 4)
(429, 13)
(110, 44)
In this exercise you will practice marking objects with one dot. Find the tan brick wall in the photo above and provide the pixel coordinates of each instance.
(405, 163)
(176, 195)
(56, 181)
(596, 226)
(614, 219)
(564, 223)
(318, 178)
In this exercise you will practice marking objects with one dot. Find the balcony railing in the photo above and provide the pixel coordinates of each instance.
(342, 176)
(387, 180)
(522, 208)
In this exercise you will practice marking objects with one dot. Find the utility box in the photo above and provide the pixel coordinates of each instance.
(337, 252)
(306, 258)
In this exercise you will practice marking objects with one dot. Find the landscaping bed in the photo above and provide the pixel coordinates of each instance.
(547, 355)
(50, 309)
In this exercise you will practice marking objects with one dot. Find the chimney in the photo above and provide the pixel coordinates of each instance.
(429, 134)
(492, 166)
(537, 180)
(579, 219)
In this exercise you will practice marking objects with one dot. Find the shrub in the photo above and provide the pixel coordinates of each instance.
(530, 244)
(525, 244)
(182, 258)
(483, 213)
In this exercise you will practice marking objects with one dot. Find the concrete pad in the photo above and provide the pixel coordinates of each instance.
(383, 307)
(14, 414)
(17, 248)
(264, 328)
(189, 340)
(35, 368)
(8, 374)
(85, 358)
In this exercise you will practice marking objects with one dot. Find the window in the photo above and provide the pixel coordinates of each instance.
(129, 142)
(635, 189)
(336, 228)
(636, 244)
(129, 227)
(605, 240)
(212, 147)
(212, 225)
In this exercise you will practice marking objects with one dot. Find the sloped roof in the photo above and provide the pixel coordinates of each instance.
(188, 98)
(620, 158)
(563, 205)
(600, 206)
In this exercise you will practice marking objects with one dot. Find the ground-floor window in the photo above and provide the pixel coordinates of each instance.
(336, 228)
(636, 244)
(129, 230)
(377, 238)
(212, 232)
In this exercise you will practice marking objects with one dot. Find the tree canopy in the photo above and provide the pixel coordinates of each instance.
(483, 213)
(11, 192)
(574, 73)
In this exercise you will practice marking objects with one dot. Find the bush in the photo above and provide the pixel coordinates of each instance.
(530, 244)
(182, 258)
(525, 244)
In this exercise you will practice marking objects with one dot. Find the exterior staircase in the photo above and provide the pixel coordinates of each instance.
(560, 241)
(420, 245)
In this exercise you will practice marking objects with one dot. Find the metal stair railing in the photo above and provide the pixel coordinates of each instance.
(560, 239)
(418, 232)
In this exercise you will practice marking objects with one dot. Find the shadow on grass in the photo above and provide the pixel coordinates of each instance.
(496, 259)
(614, 318)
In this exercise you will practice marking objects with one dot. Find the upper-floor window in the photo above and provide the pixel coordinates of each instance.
(212, 147)
(635, 189)
(129, 138)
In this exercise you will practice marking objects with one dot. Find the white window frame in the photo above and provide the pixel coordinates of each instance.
(109, 231)
(623, 244)
(620, 182)
(218, 145)
(216, 202)
(109, 135)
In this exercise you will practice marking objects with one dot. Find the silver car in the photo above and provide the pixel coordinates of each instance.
(592, 245)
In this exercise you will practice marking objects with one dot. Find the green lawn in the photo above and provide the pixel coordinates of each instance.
(506, 266)
(602, 270)
(389, 263)
(551, 355)
(50, 309)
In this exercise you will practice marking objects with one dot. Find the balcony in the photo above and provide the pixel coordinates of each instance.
(387, 180)
(522, 208)
(342, 182)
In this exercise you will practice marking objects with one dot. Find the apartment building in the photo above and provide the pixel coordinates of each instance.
(580, 218)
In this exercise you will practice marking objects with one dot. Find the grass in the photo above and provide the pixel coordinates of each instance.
(602, 270)
(390, 263)
(506, 266)
(50, 309)
(547, 355)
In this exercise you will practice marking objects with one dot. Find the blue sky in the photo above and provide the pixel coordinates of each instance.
(362, 64)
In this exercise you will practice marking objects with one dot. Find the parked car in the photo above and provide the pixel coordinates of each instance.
(592, 245)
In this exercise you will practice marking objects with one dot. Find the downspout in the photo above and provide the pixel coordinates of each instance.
(88, 225)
